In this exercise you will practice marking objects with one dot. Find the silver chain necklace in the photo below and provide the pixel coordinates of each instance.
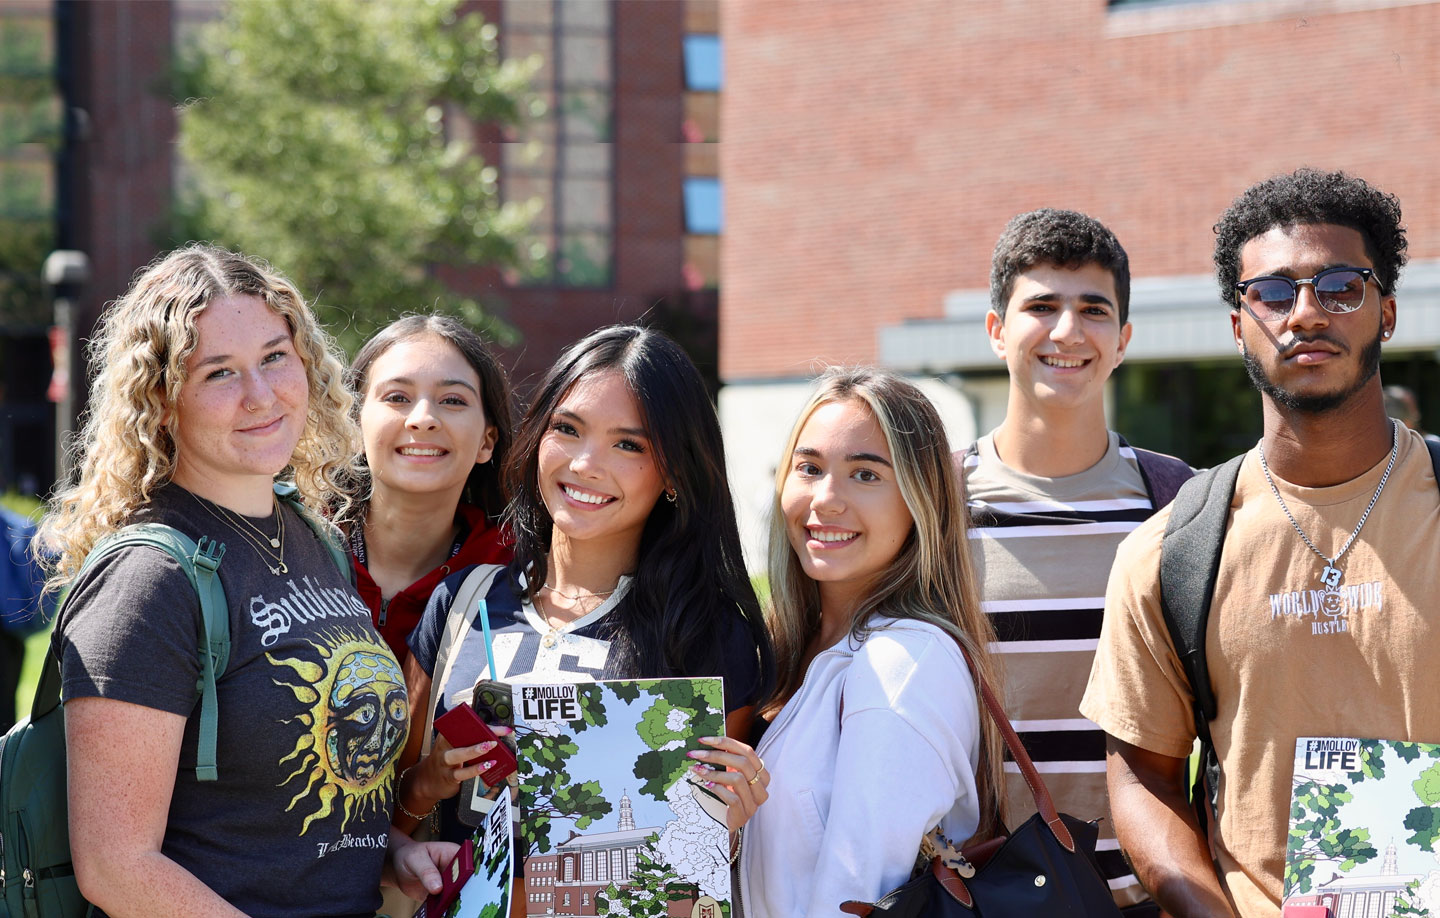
(1330, 576)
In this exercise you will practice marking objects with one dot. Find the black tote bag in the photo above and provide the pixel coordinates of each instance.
(1046, 867)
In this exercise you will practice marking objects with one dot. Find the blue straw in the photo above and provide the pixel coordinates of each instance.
(489, 644)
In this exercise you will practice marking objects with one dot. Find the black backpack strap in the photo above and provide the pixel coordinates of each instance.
(1434, 447)
(1163, 474)
(1189, 565)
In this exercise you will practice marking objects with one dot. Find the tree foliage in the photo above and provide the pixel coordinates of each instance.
(547, 794)
(652, 886)
(670, 729)
(335, 139)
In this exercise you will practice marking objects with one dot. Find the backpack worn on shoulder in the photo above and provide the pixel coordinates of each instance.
(1189, 566)
(37, 877)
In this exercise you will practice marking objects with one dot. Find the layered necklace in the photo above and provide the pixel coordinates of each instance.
(1330, 576)
(550, 638)
(269, 548)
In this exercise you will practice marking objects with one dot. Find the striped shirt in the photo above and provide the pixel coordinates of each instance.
(1043, 549)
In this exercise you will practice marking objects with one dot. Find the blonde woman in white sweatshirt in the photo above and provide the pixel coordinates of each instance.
(876, 735)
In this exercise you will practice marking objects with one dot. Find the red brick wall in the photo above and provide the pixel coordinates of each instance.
(649, 221)
(873, 152)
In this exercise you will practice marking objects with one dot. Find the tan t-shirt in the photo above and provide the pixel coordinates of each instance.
(1282, 664)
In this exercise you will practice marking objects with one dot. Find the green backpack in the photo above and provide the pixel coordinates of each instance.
(37, 878)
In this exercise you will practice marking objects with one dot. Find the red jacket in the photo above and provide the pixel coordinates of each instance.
(484, 544)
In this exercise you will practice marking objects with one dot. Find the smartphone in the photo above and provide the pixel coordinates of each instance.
(452, 879)
(463, 727)
(492, 701)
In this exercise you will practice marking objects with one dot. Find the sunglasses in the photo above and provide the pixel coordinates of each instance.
(1272, 297)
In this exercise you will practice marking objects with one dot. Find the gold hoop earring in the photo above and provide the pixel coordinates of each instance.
(670, 495)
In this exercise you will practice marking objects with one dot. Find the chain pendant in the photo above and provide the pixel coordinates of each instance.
(1330, 577)
(282, 569)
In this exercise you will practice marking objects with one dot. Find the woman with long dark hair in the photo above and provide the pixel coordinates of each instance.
(627, 560)
(426, 496)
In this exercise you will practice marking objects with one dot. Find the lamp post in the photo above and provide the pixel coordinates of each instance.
(65, 272)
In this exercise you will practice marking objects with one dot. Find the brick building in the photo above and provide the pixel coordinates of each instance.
(870, 162)
(625, 161)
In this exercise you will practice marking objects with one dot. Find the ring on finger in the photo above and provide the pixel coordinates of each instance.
(757, 773)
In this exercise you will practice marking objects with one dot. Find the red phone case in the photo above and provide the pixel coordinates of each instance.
(452, 879)
(463, 727)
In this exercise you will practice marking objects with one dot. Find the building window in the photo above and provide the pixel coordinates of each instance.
(631, 856)
(704, 208)
(584, 898)
(600, 873)
(561, 157)
(617, 865)
(569, 868)
(704, 64)
(588, 873)
(567, 899)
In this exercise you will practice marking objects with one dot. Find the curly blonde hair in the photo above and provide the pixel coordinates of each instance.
(124, 452)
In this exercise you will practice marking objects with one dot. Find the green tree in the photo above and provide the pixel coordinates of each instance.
(683, 710)
(547, 793)
(335, 138)
(653, 885)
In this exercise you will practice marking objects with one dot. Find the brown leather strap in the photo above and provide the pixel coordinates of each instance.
(950, 882)
(1043, 804)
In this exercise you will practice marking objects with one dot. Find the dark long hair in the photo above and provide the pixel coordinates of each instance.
(485, 486)
(690, 582)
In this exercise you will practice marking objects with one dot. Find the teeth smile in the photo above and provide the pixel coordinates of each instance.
(585, 498)
(1063, 362)
(416, 451)
(831, 536)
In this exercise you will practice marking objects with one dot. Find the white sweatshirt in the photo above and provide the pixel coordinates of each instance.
(849, 802)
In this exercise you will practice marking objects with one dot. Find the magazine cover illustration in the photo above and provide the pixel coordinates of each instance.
(611, 822)
(1364, 837)
(484, 892)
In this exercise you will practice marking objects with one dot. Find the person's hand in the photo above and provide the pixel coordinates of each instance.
(742, 785)
(438, 776)
(414, 867)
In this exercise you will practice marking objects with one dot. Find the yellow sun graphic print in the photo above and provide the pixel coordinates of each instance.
(354, 716)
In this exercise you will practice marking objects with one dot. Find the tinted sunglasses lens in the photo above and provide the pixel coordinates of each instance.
(1270, 298)
(1341, 291)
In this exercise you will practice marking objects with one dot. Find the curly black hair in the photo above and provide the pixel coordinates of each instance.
(1308, 197)
(1063, 238)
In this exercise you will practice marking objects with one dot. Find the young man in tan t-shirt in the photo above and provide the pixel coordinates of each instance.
(1302, 641)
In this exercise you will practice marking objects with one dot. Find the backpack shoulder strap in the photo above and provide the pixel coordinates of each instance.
(200, 561)
(1189, 564)
(1434, 447)
(1163, 474)
(324, 530)
(464, 606)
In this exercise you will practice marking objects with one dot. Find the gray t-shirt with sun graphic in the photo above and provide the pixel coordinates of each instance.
(312, 711)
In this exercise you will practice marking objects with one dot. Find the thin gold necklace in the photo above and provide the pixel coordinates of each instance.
(262, 544)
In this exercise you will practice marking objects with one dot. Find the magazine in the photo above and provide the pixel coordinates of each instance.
(612, 820)
(1364, 838)
(477, 882)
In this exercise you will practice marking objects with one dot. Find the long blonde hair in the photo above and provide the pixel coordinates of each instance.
(124, 452)
(931, 578)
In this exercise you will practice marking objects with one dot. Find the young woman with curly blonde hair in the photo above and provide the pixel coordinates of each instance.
(213, 380)
(876, 734)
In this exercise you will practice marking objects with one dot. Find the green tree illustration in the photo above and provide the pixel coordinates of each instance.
(547, 793)
(1316, 836)
(338, 140)
(683, 711)
(653, 885)
(1407, 903)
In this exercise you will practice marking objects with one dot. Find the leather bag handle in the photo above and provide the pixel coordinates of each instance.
(1043, 804)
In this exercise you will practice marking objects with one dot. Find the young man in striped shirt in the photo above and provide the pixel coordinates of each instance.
(1052, 492)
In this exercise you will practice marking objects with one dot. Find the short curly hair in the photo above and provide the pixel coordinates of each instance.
(1064, 238)
(1310, 197)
